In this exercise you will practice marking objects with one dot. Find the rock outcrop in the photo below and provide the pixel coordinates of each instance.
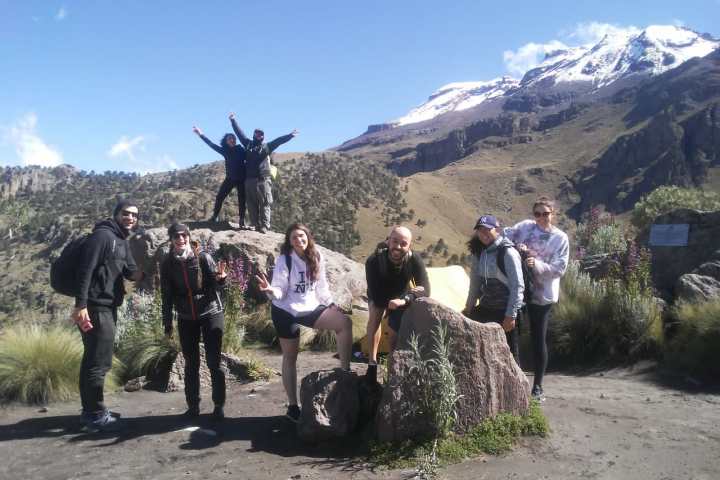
(670, 263)
(665, 152)
(487, 377)
(258, 251)
(459, 143)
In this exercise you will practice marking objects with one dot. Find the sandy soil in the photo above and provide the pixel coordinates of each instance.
(614, 425)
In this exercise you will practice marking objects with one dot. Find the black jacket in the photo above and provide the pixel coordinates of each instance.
(385, 281)
(234, 159)
(256, 152)
(104, 261)
(180, 288)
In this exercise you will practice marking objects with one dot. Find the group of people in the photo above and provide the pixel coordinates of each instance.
(191, 285)
(248, 169)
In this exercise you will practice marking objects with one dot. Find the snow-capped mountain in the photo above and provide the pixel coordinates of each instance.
(456, 97)
(652, 51)
(619, 55)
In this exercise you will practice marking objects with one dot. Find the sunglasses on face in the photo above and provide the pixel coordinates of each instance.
(178, 235)
(542, 214)
(126, 213)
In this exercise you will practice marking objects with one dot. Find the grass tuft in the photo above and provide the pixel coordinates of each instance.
(41, 365)
(695, 347)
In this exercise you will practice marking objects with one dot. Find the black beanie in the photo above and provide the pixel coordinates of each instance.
(176, 228)
(122, 205)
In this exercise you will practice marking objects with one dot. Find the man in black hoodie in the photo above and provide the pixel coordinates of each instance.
(258, 181)
(104, 261)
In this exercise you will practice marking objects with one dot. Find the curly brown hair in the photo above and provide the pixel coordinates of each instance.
(312, 256)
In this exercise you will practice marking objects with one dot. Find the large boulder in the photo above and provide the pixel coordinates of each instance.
(487, 377)
(669, 263)
(330, 405)
(258, 251)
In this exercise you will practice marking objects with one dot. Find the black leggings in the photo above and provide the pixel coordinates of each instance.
(539, 318)
(225, 189)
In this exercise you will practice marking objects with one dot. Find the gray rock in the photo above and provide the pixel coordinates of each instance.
(669, 263)
(487, 377)
(330, 405)
(345, 276)
(710, 269)
(697, 288)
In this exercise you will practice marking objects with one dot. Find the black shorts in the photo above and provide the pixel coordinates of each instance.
(395, 318)
(288, 326)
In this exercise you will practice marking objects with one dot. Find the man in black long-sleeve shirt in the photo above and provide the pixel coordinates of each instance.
(258, 182)
(104, 260)
(391, 272)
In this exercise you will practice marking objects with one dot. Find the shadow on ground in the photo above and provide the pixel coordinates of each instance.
(275, 435)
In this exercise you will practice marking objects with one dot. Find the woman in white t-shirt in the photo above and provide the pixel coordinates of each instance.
(301, 296)
(546, 252)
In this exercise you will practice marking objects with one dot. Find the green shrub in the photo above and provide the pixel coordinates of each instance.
(607, 239)
(493, 436)
(603, 321)
(42, 365)
(665, 199)
(695, 347)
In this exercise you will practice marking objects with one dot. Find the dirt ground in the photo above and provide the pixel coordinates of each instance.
(612, 425)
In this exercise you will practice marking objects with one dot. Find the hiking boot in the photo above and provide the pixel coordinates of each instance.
(103, 421)
(538, 394)
(293, 413)
(218, 413)
(192, 412)
(371, 374)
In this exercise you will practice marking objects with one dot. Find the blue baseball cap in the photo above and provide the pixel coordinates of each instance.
(487, 221)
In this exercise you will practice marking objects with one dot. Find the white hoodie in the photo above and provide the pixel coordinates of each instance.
(551, 250)
(298, 296)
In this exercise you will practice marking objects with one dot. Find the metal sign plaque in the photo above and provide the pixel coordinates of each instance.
(671, 235)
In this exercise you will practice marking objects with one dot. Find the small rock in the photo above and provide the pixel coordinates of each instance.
(602, 395)
(43, 410)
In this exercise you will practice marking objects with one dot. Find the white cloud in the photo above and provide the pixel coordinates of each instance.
(128, 146)
(29, 147)
(592, 32)
(529, 56)
(61, 14)
(132, 149)
(532, 54)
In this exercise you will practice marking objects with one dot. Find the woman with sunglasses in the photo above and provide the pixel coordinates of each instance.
(546, 252)
(190, 282)
(301, 296)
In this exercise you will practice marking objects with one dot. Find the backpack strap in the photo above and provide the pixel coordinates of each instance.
(288, 264)
(502, 251)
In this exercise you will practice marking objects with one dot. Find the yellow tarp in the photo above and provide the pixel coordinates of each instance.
(448, 285)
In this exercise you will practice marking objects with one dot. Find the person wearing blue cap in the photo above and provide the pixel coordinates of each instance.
(496, 280)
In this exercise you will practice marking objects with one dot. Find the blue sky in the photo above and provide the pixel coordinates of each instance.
(118, 85)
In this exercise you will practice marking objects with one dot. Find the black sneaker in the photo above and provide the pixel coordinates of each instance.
(100, 422)
(293, 413)
(218, 413)
(371, 374)
(192, 412)
(538, 394)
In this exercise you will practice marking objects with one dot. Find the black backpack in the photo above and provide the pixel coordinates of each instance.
(526, 272)
(64, 270)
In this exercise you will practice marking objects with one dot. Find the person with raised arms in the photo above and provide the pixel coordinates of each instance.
(301, 296)
(258, 181)
(234, 156)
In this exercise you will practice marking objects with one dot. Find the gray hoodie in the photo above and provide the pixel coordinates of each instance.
(494, 290)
